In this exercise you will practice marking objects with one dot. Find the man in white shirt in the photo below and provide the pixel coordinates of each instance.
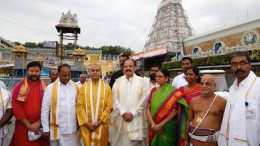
(58, 113)
(151, 81)
(82, 80)
(180, 80)
(241, 121)
(5, 115)
(2, 84)
(127, 124)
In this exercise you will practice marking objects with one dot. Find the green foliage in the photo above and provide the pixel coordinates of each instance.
(69, 46)
(255, 55)
(115, 50)
(212, 60)
(30, 45)
(17, 43)
(112, 50)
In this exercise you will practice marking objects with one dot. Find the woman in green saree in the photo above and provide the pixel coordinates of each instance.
(167, 113)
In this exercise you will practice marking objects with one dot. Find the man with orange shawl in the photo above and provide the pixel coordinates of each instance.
(27, 101)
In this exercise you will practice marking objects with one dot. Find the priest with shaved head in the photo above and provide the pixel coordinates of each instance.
(205, 115)
(94, 105)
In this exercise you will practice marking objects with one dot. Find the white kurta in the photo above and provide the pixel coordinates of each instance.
(79, 84)
(179, 81)
(4, 104)
(66, 111)
(2, 84)
(149, 85)
(128, 96)
(241, 121)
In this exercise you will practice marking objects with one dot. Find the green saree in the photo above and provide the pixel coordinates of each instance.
(161, 102)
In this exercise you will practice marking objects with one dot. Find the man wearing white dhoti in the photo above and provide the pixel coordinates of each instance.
(58, 113)
(127, 124)
(5, 115)
(241, 121)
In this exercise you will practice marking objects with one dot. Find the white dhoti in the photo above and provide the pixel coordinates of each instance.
(4, 141)
(121, 136)
(125, 140)
(209, 138)
(67, 140)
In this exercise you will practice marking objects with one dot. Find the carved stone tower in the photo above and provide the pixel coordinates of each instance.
(170, 27)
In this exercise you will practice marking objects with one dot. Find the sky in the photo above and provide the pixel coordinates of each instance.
(113, 22)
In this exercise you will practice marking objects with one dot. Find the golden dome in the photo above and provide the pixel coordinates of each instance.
(78, 52)
(20, 48)
(39, 58)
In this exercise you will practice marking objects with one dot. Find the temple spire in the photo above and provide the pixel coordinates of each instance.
(170, 27)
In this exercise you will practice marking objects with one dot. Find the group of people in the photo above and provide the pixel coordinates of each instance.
(133, 110)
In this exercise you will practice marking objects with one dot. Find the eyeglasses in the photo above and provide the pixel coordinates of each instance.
(241, 63)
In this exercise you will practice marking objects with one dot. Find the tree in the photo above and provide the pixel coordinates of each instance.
(30, 45)
(116, 50)
(17, 43)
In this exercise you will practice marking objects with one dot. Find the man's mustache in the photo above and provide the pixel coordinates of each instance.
(34, 77)
(152, 76)
(128, 70)
(239, 71)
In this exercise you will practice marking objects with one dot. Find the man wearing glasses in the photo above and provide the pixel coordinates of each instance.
(241, 121)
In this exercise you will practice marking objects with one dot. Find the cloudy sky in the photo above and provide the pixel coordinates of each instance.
(113, 22)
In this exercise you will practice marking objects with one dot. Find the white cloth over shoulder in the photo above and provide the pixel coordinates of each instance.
(241, 121)
(2, 84)
(7, 105)
(79, 84)
(128, 96)
(179, 81)
(149, 85)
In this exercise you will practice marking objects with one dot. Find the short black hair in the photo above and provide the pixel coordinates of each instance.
(63, 65)
(131, 60)
(124, 55)
(154, 65)
(241, 53)
(34, 64)
(187, 58)
(51, 70)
